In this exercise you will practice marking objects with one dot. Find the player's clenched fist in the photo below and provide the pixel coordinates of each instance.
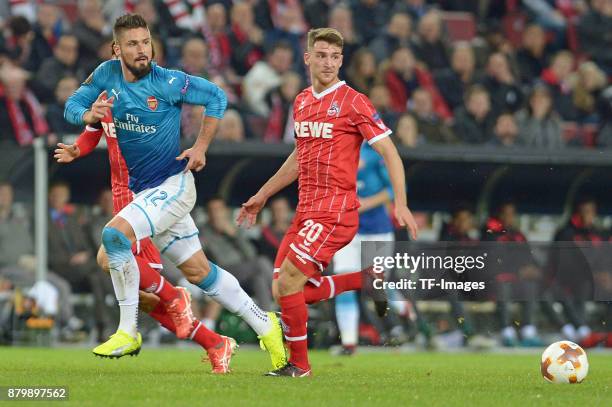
(66, 153)
(250, 209)
(98, 109)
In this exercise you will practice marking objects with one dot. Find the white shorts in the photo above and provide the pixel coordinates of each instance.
(162, 213)
(348, 259)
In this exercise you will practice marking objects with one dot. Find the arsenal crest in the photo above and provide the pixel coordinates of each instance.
(152, 102)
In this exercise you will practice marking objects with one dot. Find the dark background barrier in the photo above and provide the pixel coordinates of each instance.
(541, 181)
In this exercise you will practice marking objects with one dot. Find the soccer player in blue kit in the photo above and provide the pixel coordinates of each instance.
(375, 194)
(146, 100)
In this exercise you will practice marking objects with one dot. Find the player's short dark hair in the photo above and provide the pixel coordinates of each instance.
(128, 22)
(329, 35)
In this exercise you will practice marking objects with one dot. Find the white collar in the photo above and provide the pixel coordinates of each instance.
(328, 90)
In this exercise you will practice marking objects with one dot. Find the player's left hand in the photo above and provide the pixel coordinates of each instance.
(196, 157)
(405, 218)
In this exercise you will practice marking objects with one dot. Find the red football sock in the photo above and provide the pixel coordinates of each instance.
(200, 335)
(204, 336)
(295, 316)
(331, 286)
(153, 282)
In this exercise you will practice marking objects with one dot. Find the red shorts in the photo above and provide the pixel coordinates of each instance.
(145, 249)
(312, 240)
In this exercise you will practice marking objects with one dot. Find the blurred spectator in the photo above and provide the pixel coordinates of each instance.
(102, 213)
(280, 121)
(18, 43)
(90, 29)
(341, 18)
(474, 122)
(589, 83)
(361, 72)
(17, 260)
(461, 225)
(407, 131)
(403, 76)
(454, 81)
(47, 30)
(317, 12)
(505, 132)
(194, 57)
(21, 116)
(289, 27)
(595, 33)
(381, 100)
(228, 246)
(370, 16)
(415, 8)
(430, 46)
(503, 87)
(231, 127)
(533, 55)
(558, 77)
(245, 37)
(71, 257)
(397, 34)
(265, 76)
(573, 270)
(431, 127)
(216, 37)
(546, 15)
(63, 63)
(273, 233)
(539, 124)
(516, 273)
(55, 111)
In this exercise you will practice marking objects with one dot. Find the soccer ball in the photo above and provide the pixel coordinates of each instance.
(564, 362)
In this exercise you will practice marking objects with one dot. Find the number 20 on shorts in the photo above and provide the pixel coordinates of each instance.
(310, 231)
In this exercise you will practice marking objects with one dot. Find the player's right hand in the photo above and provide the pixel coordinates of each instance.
(66, 153)
(250, 209)
(98, 108)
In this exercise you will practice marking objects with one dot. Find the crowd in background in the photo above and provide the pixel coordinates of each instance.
(533, 73)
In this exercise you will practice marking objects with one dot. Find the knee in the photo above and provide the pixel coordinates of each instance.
(115, 241)
(287, 284)
(102, 260)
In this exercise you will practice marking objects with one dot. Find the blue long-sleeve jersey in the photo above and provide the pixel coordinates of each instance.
(372, 178)
(147, 116)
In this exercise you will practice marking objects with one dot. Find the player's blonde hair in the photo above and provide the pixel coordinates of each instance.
(329, 35)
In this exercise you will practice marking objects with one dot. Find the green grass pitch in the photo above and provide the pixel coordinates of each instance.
(176, 377)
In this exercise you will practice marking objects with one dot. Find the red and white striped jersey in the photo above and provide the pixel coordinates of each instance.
(122, 195)
(329, 128)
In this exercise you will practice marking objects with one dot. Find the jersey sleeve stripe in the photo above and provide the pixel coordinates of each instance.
(379, 137)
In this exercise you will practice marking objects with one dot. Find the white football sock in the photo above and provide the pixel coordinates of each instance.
(125, 279)
(225, 289)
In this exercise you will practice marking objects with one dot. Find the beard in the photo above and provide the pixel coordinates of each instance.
(139, 72)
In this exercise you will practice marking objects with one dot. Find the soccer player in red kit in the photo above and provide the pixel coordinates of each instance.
(331, 122)
(169, 305)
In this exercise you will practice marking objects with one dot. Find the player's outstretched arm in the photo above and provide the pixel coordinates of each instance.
(84, 145)
(285, 176)
(393, 162)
